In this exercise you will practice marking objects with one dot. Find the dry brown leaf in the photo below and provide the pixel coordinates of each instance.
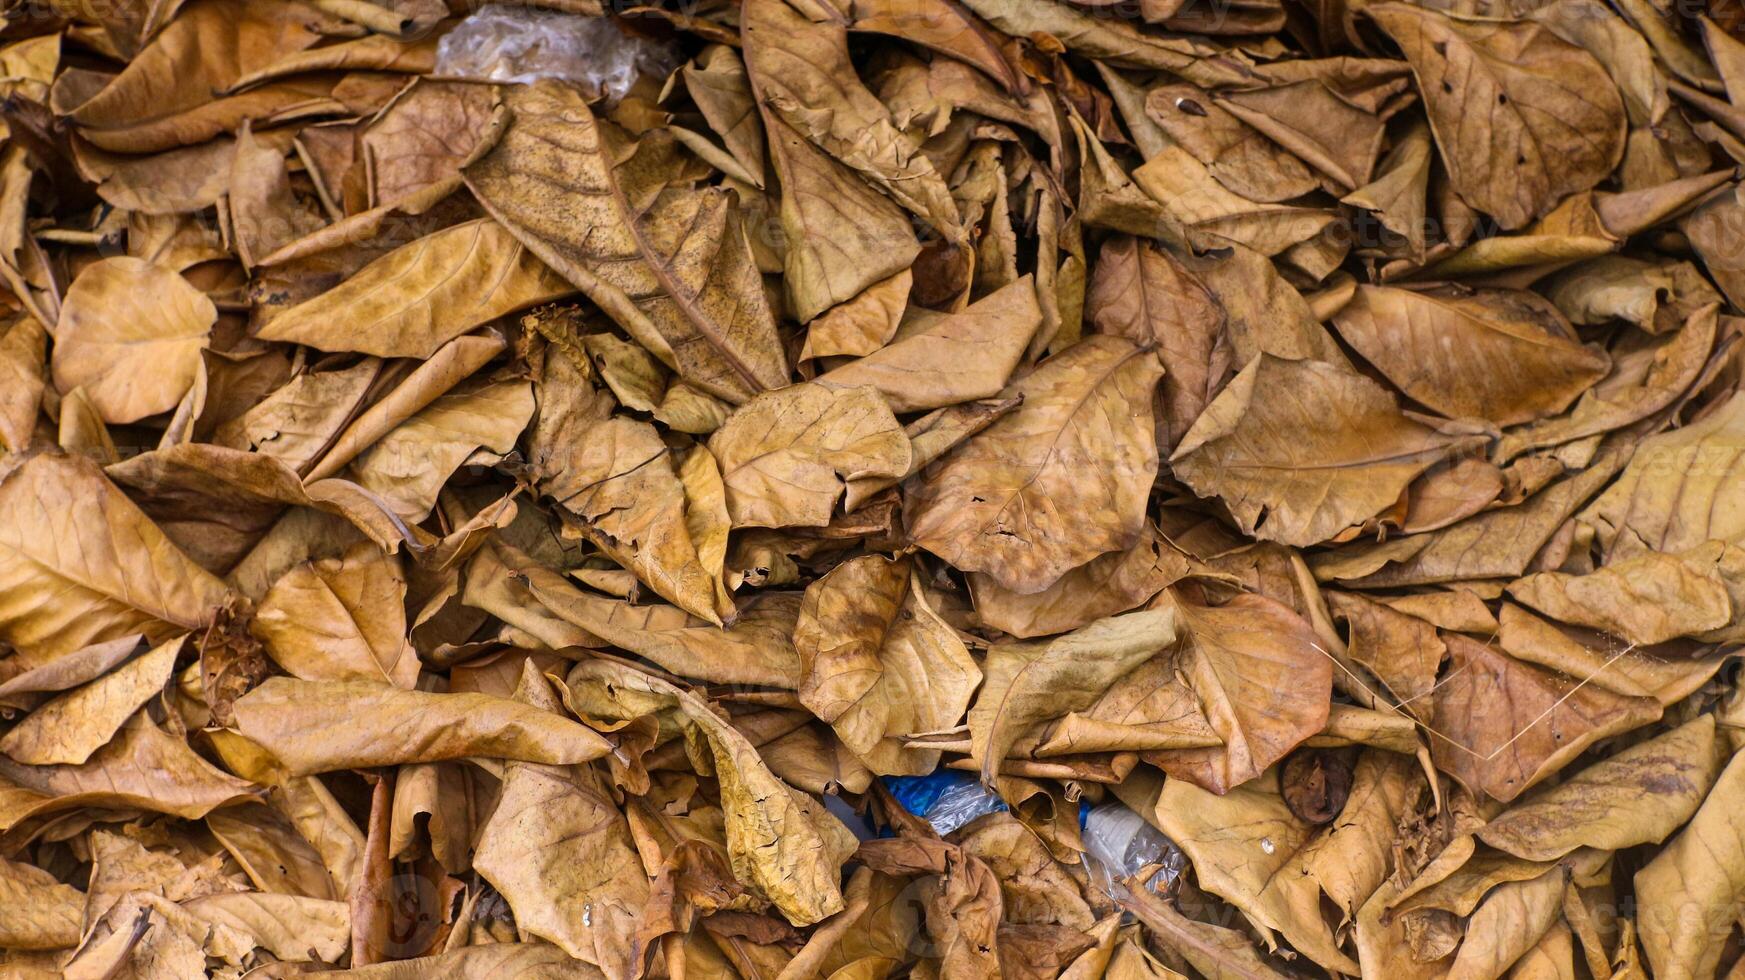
(340, 619)
(674, 270)
(1013, 502)
(69, 728)
(622, 483)
(69, 535)
(1499, 726)
(1522, 118)
(45, 914)
(1646, 598)
(1638, 796)
(130, 334)
(561, 853)
(1506, 357)
(309, 727)
(1669, 496)
(1262, 681)
(948, 359)
(1700, 872)
(1262, 446)
(423, 294)
(782, 843)
(1143, 293)
(879, 663)
(786, 455)
(1024, 684)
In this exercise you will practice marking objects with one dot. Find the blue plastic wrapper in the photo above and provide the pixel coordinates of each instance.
(950, 798)
(945, 798)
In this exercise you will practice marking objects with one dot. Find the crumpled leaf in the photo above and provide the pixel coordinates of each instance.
(674, 270)
(1262, 682)
(45, 913)
(781, 842)
(880, 664)
(1011, 501)
(561, 853)
(1262, 446)
(621, 480)
(1646, 598)
(69, 728)
(786, 455)
(1025, 683)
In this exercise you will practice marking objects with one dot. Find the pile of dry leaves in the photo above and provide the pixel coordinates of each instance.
(567, 524)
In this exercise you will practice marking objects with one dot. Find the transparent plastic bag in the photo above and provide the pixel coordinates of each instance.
(945, 798)
(506, 43)
(1119, 844)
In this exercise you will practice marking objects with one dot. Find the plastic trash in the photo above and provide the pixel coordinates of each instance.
(945, 798)
(509, 43)
(1119, 844)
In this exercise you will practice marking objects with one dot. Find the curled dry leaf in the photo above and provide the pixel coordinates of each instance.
(69, 728)
(283, 715)
(880, 664)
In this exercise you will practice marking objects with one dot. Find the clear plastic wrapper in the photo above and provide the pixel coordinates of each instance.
(945, 798)
(505, 43)
(1120, 844)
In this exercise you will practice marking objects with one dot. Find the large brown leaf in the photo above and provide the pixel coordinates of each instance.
(1506, 357)
(423, 294)
(1264, 447)
(340, 619)
(950, 358)
(786, 456)
(1671, 495)
(1522, 118)
(619, 219)
(130, 334)
(880, 664)
(312, 727)
(1060, 480)
(1499, 725)
(79, 563)
(143, 768)
(842, 234)
(1638, 796)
